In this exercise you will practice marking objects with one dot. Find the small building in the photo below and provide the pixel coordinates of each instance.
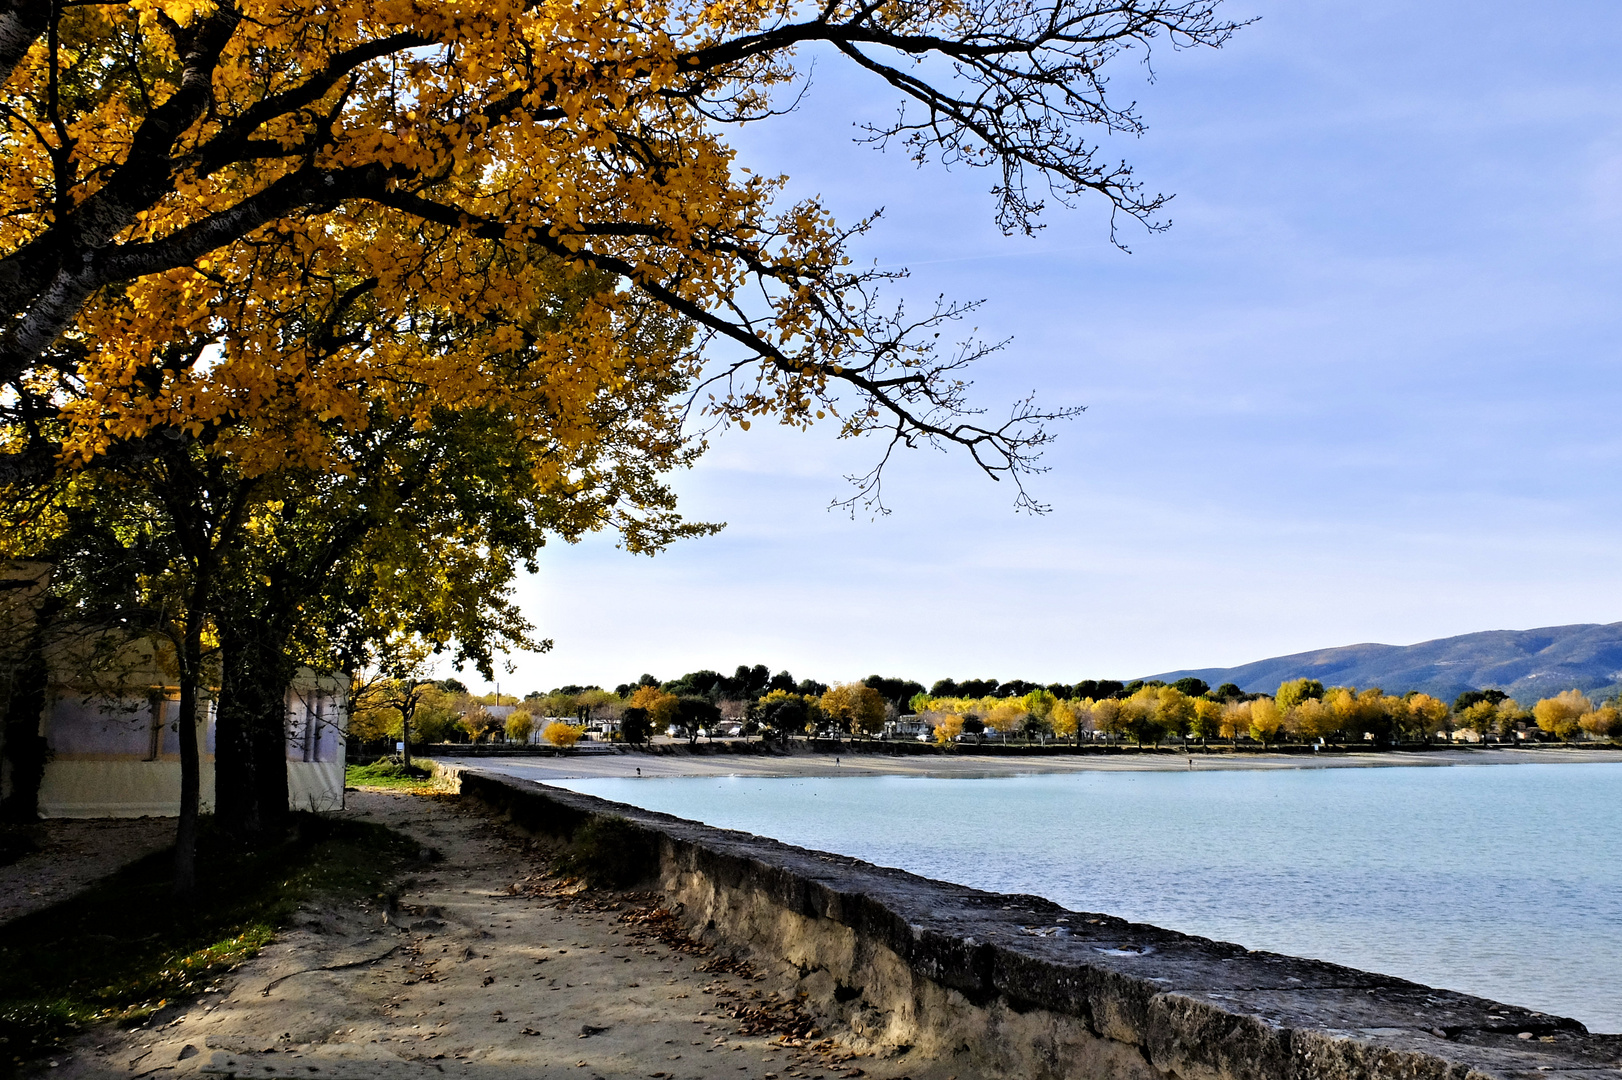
(910, 726)
(119, 756)
(109, 721)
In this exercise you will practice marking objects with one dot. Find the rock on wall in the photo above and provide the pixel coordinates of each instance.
(1018, 986)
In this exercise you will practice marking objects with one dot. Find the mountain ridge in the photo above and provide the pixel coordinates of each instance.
(1526, 664)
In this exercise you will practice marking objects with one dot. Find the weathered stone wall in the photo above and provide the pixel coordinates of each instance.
(1018, 986)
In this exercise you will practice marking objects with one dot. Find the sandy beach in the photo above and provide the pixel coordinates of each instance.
(632, 763)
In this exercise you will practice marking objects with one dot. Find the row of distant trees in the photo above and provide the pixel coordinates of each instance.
(418, 711)
(1145, 712)
(1302, 710)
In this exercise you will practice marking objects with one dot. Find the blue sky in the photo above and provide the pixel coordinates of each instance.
(1365, 389)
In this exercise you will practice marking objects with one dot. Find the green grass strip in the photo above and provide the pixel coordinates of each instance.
(388, 774)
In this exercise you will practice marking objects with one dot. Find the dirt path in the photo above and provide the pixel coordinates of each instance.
(62, 858)
(487, 966)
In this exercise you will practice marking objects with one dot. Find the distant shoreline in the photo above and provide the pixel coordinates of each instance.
(855, 762)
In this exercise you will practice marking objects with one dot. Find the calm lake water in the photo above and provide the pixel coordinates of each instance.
(1503, 881)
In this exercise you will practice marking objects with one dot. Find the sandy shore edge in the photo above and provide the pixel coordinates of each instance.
(856, 762)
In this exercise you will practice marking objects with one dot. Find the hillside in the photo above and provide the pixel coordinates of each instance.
(1528, 664)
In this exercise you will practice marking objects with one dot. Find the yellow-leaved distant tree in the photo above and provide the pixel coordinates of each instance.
(1265, 720)
(1040, 704)
(949, 727)
(660, 705)
(1174, 711)
(1354, 712)
(1207, 723)
(520, 725)
(1426, 716)
(1292, 693)
(855, 707)
(1006, 717)
(1510, 716)
(1480, 717)
(561, 735)
(1235, 721)
(1108, 718)
(595, 701)
(1561, 715)
(1604, 722)
(1065, 719)
(1311, 719)
(1138, 716)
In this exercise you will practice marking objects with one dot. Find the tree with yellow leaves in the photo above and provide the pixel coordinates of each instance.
(1139, 716)
(1040, 703)
(1604, 722)
(1292, 693)
(1312, 719)
(1426, 716)
(1109, 717)
(1561, 715)
(1265, 720)
(1007, 717)
(563, 736)
(1480, 717)
(520, 725)
(660, 706)
(1235, 721)
(855, 707)
(1174, 712)
(949, 727)
(1510, 717)
(248, 222)
(1066, 718)
(1207, 720)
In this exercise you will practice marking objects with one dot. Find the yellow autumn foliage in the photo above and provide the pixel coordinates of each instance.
(288, 209)
(561, 735)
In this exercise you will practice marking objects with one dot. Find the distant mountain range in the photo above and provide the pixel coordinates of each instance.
(1526, 664)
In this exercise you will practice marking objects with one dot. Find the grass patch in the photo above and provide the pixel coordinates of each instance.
(386, 773)
(125, 949)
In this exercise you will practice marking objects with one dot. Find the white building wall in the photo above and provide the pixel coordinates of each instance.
(122, 759)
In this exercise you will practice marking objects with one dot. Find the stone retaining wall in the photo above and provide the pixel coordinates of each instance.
(1018, 986)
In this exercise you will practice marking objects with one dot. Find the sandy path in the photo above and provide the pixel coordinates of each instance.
(70, 856)
(488, 968)
(856, 763)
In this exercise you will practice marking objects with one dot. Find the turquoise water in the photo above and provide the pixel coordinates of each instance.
(1503, 881)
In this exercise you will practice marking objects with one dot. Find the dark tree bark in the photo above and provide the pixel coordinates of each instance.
(25, 748)
(250, 757)
(190, 762)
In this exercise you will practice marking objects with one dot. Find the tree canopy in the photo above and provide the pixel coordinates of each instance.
(359, 301)
(161, 154)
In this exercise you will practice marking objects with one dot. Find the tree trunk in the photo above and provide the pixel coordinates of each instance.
(25, 747)
(250, 759)
(191, 663)
(190, 790)
(405, 735)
